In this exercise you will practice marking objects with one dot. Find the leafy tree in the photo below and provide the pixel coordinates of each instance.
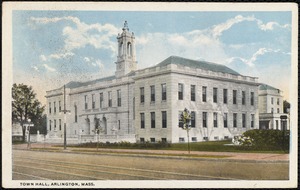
(25, 106)
(185, 117)
(286, 106)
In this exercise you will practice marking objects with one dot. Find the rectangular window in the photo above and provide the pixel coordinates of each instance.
(181, 139)
(277, 110)
(119, 97)
(54, 103)
(193, 119)
(234, 92)
(215, 95)
(252, 99)
(142, 95)
(59, 106)
(194, 139)
(203, 93)
(164, 140)
(244, 120)
(180, 91)
(235, 120)
(225, 96)
(272, 100)
(243, 97)
(164, 119)
(277, 101)
(93, 101)
(276, 124)
(142, 120)
(49, 107)
(226, 137)
(205, 138)
(142, 140)
(164, 92)
(272, 110)
(216, 138)
(85, 102)
(252, 120)
(152, 90)
(193, 93)
(50, 122)
(54, 124)
(119, 124)
(215, 119)
(75, 111)
(152, 140)
(109, 99)
(225, 120)
(204, 119)
(152, 119)
(101, 100)
(180, 122)
(59, 123)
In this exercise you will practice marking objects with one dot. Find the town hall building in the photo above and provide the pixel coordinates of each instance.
(145, 105)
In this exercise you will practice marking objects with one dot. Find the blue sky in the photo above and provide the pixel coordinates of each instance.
(51, 48)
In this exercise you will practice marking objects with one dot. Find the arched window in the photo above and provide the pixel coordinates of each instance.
(129, 49)
(121, 49)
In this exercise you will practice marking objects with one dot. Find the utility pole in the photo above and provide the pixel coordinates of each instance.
(65, 119)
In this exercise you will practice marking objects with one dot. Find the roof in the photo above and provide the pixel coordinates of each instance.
(75, 84)
(267, 87)
(197, 64)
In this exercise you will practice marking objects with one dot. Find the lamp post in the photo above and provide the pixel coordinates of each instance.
(28, 125)
(186, 119)
(65, 111)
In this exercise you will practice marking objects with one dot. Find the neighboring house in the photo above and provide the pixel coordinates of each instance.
(271, 108)
(144, 105)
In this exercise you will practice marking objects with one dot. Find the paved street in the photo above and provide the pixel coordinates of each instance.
(71, 165)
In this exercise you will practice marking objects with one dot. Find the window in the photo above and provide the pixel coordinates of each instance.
(49, 107)
(225, 96)
(244, 120)
(205, 138)
(252, 120)
(142, 140)
(272, 100)
(75, 111)
(278, 110)
(181, 139)
(193, 93)
(235, 120)
(54, 124)
(142, 120)
(152, 119)
(164, 119)
(272, 110)
(180, 122)
(164, 92)
(85, 102)
(180, 91)
(276, 124)
(109, 99)
(216, 138)
(93, 101)
(54, 103)
(101, 100)
(142, 96)
(152, 140)
(226, 137)
(59, 123)
(119, 97)
(194, 139)
(215, 119)
(193, 119)
(203, 93)
(243, 97)
(204, 119)
(59, 106)
(152, 90)
(234, 92)
(164, 140)
(215, 95)
(225, 120)
(119, 124)
(50, 124)
(277, 101)
(252, 99)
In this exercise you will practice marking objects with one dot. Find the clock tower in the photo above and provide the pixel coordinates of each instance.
(126, 60)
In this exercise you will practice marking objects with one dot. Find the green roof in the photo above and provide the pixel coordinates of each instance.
(197, 65)
(267, 87)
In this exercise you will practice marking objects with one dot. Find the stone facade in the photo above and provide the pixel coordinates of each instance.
(144, 105)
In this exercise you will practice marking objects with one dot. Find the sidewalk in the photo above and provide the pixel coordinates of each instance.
(225, 155)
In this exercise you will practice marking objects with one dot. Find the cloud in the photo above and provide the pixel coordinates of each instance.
(35, 68)
(49, 68)
(43, 58)
(61, 55)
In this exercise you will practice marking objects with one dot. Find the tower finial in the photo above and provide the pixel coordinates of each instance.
(125, 26)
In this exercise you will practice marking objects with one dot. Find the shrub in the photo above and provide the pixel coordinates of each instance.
(266, 139)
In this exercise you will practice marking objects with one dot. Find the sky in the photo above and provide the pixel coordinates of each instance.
(51, 48)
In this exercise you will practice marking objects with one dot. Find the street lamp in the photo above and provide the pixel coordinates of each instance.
(28, 125)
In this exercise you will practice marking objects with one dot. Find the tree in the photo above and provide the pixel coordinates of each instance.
(286, 106)
(25, 106)
(186, 118)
